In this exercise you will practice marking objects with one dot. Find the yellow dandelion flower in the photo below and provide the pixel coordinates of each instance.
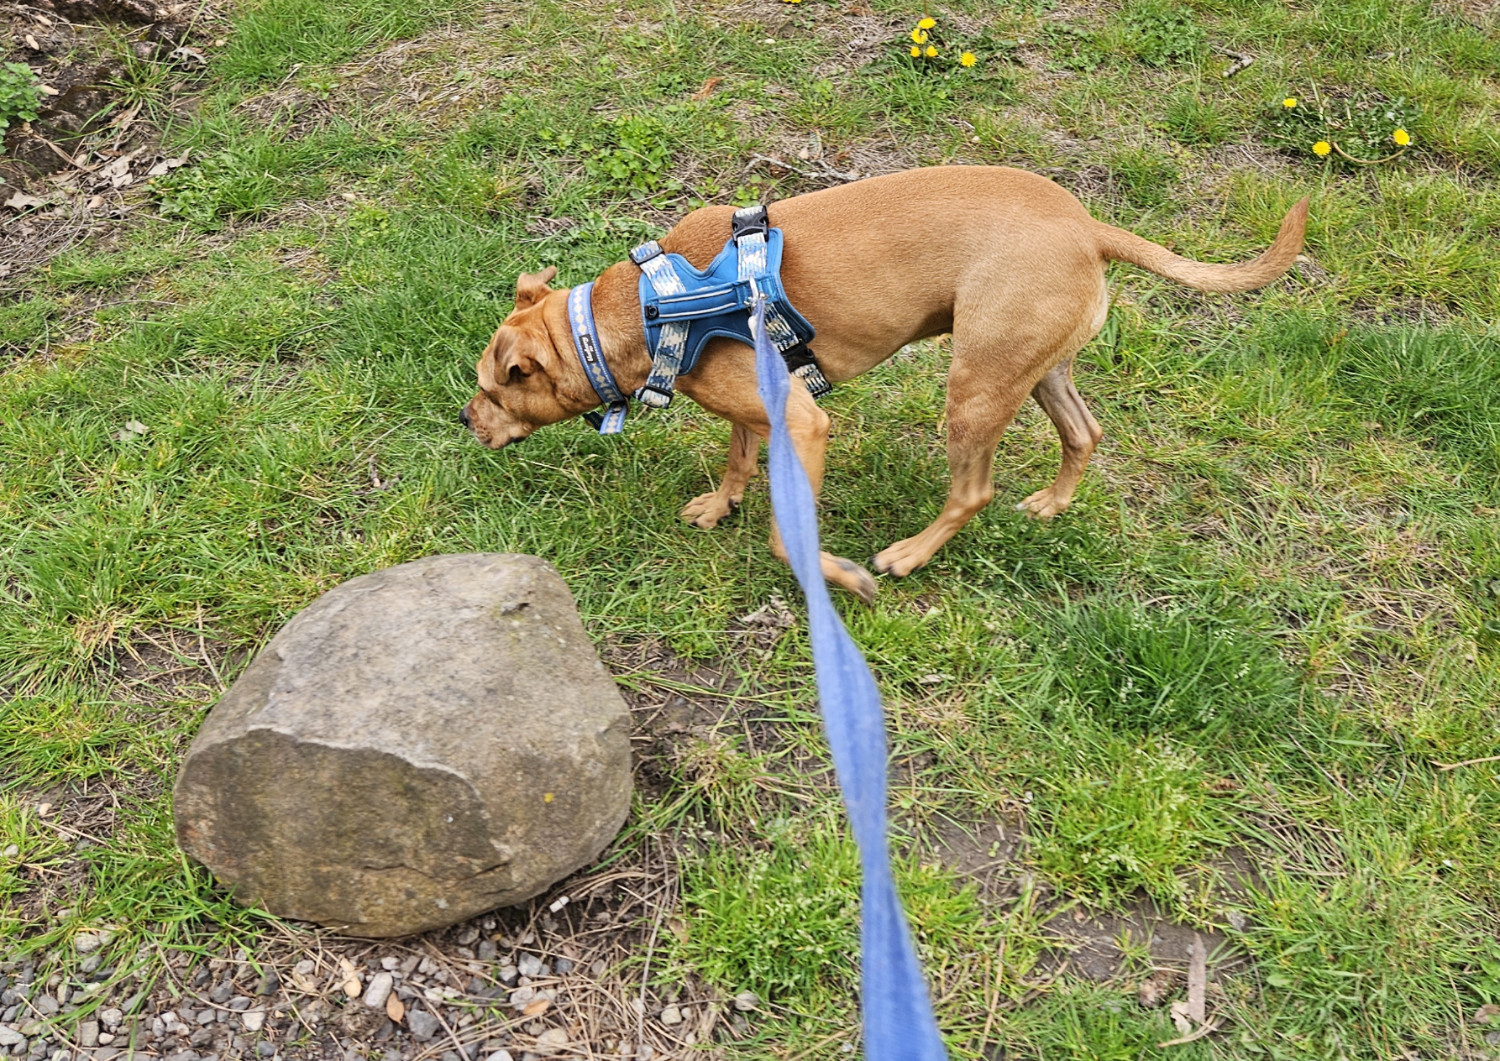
(916, 53)
(931, 52)
(1321, 148)
(1289, 102)
(927, 23)
(920, 36)
(1402, 137)
(967, 59)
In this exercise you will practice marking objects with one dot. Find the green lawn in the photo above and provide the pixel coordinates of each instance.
(1262, 636)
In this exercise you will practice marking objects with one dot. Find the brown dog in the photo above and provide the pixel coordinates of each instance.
(1007, 261)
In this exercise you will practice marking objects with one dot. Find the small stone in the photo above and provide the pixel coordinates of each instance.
(379, 990)
(239, 1004)
(529, 965)
(422, 1025)
(87, 942)
(264, 1049)
(487, 951)
(10, 1037)
(508, 975)
(202, 1037)
(48, 1005)
(390, 964)
(500, 1055)
(553, 1039)
(671, 1015)
(207, 1016)
(88, 1033)
(563, 967)
(253, 1019)
(222, 992)
(746, 1001)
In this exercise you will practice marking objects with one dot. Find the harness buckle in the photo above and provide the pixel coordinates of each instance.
(749, 221)
(645, 252)
(655, 397)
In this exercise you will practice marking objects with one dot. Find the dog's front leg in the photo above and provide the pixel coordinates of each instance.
(707, 510)
(809, 426)
(725, 386)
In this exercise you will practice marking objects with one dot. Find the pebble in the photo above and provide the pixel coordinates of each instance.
(207, 1016)
(746, 1001)
(265, 1049)
(487, 951)
(563, 967)
(390, 964)
(379, 990)
(508, 975)
(553, 1038)
(87, 942)
(500, 1055)
(88, 1033)
(269, 984)
(239, 1004)
(253, 1019)
(423, 1025)
(48, 1005)
(671, 1015)
(10, 1037)
(222, 992)
(530, 965)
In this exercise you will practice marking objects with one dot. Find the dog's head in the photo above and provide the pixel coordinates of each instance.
(523, 382)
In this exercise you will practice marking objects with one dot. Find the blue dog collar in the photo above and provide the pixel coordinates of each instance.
(591, 356)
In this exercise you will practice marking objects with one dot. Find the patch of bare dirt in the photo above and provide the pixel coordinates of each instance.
(81, 163)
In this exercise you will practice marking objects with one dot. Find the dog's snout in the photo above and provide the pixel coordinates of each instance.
(463, 416)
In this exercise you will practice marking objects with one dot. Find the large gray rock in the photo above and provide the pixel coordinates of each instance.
(417, 746)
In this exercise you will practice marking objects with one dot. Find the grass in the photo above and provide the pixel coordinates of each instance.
(1264, 630)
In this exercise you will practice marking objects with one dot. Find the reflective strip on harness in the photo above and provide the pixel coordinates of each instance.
(671, 343)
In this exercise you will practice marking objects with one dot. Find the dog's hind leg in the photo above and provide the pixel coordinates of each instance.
(1078, 431)
(707, 510)
(978, 414)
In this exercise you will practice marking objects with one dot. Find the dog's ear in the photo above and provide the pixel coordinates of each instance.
(512, 360)
(530, 287)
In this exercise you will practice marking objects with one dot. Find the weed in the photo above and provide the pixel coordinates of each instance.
(1163, 33)
(230, 184)
(20, 96)
(1361, 129)
(632, 150)
(930, 49)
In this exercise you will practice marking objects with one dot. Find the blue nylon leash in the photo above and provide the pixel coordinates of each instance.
(898, 1020)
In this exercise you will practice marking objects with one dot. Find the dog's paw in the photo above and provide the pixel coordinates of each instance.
(901, 559)
(1044, 504)
(850, 576)
(707, 510)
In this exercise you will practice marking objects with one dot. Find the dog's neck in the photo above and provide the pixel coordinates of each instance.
(617, 316)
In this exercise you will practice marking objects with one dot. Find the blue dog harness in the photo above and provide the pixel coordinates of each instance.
(682, 308)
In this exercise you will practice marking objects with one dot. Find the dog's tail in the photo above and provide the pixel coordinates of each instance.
(1118, 245)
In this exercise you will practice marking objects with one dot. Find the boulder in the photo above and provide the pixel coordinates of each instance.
(417, 746)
